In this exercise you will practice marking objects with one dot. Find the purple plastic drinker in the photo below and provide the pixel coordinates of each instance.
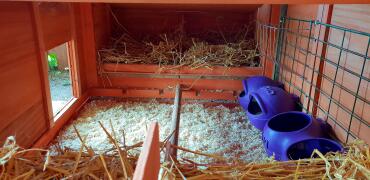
(266, 102)
(252, 84)
(294, 135)
(304, 148)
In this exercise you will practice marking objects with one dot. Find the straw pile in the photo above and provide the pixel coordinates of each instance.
(180, 50)
(354, 164)
(18, 163)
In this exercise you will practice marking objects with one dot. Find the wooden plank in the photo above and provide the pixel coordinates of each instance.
(61, 119)
(211, 2)
(158, 93)
(74, 62)
(149, 160)
(175, 127)
(55, 22)
(102, 24)
(21, 108)
(42, 63)
(153, 20)
(26, 133)
(152, 68)
(328, 16)
(88, 44)
(166, 83)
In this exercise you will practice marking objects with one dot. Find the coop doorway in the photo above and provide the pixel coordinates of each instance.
(59, 74)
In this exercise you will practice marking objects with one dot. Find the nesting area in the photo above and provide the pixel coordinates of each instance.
(213, 130)
(180, 49)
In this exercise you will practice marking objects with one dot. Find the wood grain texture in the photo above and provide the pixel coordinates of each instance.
(239, 2)
(42, 63)
(80, 53)
(155, 69)
(141, 21)
(171, 153)
(148, 164)
(21, 108)
(268, 14)
(102, 24)
(159, 93)
(352, 17)
(56, 23)
(87, 41)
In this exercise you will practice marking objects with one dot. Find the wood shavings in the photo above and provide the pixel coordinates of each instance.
(212, 130)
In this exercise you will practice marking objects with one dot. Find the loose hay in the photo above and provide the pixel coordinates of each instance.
(212, 130)
(354, 164)
(179, 50)
(17, 164)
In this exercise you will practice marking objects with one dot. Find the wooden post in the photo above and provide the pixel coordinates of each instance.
(175, 125)
(328, 12)
(149, 160)
(43, 66)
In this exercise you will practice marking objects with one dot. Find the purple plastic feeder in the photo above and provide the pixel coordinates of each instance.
(252, 84)
(266, 103)
(294, 135)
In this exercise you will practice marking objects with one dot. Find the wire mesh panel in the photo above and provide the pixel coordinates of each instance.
(327, 66)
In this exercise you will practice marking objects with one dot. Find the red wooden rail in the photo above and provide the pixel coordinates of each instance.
(154, 68)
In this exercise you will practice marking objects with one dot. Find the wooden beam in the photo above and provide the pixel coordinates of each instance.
(149, 160)
(160, 93)
(185, 70)
(73, 56)
(327, 15)
(88, 43)
(210, 2)
(172, 152)
(43, 66)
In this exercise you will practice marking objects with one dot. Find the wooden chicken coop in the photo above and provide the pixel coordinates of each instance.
(180, 52)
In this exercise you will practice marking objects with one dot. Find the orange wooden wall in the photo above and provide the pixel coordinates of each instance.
(22, 112)
(144, 20)
(27, 31)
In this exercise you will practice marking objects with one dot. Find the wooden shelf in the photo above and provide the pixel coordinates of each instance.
(185, 70)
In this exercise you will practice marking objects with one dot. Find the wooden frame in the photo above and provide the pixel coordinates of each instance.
(185, 70)
(43, 65)
(210, 2)
(73, 55)
(72, 62)
(327, 15)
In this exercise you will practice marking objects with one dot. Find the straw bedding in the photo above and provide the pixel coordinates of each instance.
(18, 163)
(179, 49)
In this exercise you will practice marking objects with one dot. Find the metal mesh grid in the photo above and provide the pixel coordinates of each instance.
(312, 59)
